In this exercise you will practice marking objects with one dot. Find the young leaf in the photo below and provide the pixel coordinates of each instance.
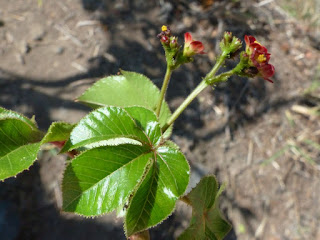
(113, 123)
(164, 182)
(147, 121)
(8, 114)
(207, 221)
(101, 179)
(58, 131)
(128, 89)
(18, 143)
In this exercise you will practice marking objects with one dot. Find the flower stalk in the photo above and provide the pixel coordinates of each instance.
(207, 81)
(217, 66)
(175, 57)
(203, 84)
(254, 61)
(164, 88)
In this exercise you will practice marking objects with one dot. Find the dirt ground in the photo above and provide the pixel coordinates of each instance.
(261, 139)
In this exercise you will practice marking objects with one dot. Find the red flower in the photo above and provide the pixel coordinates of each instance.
(259, 58)
(192, 47)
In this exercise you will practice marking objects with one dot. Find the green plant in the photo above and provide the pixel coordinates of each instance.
(122, 158)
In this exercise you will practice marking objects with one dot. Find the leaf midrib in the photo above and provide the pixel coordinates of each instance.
(88, 189)
(143, 208)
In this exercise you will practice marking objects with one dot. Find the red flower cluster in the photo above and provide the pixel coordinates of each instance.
(192, 47)
(165, 34)
(168, 40)
(174, 56)
(259, 58)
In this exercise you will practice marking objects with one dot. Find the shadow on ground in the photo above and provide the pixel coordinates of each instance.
(25, 195)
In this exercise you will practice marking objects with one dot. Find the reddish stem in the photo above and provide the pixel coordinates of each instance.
(60, 144)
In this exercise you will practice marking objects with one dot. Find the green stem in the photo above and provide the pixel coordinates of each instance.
(220, 78)
(208, 80)
(185, 104)
(164, 88)
(218, 64)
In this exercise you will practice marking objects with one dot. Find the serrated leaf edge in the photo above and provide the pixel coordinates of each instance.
(43, 141)
(65, 149)
(220, 190)
(125, 73)
(27, 169)
(166, 217)
(23, 118)
(61, 186)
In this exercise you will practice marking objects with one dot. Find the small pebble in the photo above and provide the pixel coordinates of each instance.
(9, 37)
(59, 50)
(20, 59)
(24, 47)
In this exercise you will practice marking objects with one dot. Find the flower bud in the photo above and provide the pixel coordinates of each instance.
(165, 35)
(174, 43)
(230, 44)
(235, 45)
(227, 38)
(164, 40)
(175, 57)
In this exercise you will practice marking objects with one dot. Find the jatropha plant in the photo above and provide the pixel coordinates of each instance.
(121, 155)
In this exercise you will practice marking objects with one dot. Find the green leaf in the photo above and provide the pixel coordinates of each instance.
(109, 177)
(101, 179)
(18, 143)
(18, 160)
(207, 221)
(147, 121)
(8, 114)
(164, 182)
(58, 131)
(109, 123)
(128, 89)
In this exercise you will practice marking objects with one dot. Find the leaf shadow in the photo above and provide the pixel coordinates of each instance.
(17, 90)
(38, 217)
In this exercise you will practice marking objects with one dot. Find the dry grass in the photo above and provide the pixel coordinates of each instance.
(307, 11)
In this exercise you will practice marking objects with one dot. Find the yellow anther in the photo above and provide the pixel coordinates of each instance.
(164, 28)
(262, 58)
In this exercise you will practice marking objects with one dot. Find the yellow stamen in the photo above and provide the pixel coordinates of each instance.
(262, 58)
(257, 42)
(164, 28)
